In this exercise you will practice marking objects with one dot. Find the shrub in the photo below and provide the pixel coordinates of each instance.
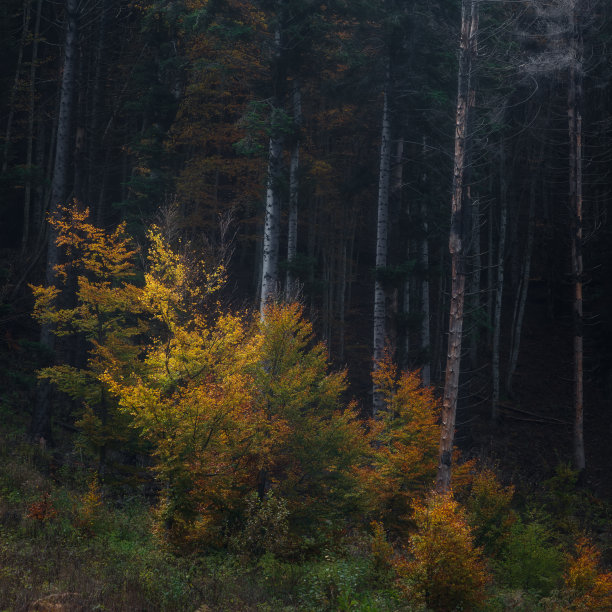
(529, 560)
(446, 570)
(585, 585)
(489, 512)
(265, 528)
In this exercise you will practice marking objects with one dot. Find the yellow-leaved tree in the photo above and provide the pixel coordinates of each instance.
(105, 313)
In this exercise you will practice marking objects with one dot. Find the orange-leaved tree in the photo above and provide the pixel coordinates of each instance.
(586, 585)
(404, 443)
(446, 571)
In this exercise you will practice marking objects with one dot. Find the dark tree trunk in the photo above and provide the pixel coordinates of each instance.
(41, 417)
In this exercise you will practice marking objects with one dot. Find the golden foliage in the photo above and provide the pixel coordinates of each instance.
(446, 569)
(404, 443)
(587, 586)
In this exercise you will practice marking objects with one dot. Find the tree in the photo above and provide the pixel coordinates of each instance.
(458, 229)
(574, 115)
(106, 315)
(381, 243)
(404, 443)
(41, 416)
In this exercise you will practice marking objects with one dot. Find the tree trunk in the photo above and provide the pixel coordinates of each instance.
(9, 121)
(269, 272)
(469, 30)
(499, 285)
(425, 310)
(381, 245)
(41, 417)
(27, 197)
(574, 112)
(521, 296)
(475, 285)
(97, 166)
(292, 229)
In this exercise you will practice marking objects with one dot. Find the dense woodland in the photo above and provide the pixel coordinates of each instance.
(305, 305)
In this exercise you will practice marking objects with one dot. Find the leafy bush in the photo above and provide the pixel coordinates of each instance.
(586, 586)
(446, 570)
(265, 528)
(529, 560)
(489, 512)
(333, 583)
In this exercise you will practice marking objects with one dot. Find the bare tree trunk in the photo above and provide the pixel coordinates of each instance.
(41, 416)
(96, 179)
(292, 229)
(342, 298)
(469, 30)
(381, 245)
(521, 296)
(425, 309)
(475, 284)
(9, 122)
(490, 269)
(269, 277)
(27, 197)
(574, 112)
(269, 272)
(499, 285)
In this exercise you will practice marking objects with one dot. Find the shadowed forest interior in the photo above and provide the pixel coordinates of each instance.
(305, 306)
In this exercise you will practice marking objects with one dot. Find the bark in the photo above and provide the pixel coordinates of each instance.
(574, 112)
(499, 285)
(41, 417)
(381, 246)
(269, 271)
(457, 238)
(292, 230)
(269, 276)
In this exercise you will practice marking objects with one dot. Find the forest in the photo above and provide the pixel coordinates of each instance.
(305, 305)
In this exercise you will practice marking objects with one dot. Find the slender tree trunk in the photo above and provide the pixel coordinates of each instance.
(469, 30)
(381, 245)
(342, 265)
(574, 112)
(269, 280)
(521, 296)
(269, 272)
(490, 270)
(96, 171)
(41, 423)
(292, 230)
(9, 122)
(425, 309)
(475, 284)
(499, 285)
(27, 197)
